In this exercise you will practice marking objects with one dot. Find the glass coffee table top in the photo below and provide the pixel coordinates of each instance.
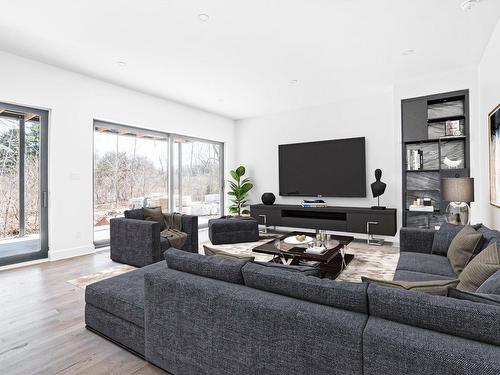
(278, 246)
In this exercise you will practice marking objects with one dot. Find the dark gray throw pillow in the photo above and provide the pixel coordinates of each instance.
(219, 268)
(489, 299)
(491, 285)
(444, 236)
(463, 247)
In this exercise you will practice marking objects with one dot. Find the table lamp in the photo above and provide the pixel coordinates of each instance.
(459, 191)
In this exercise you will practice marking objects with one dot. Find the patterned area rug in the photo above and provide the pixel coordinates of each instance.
(372, 261)
(83, 281)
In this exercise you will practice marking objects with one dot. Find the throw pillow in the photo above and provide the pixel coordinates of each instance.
(444, 236)
(463, 247)
(210, 251)
(489, 299)
(480, 269)
(436, 287)
(491, 285)
(155, 214)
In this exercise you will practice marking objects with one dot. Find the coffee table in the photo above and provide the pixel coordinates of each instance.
(330, 263)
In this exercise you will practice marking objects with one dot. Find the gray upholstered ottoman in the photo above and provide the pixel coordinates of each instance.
(225, 231)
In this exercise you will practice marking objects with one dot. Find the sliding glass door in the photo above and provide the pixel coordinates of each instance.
(23, 184)
(136, 168)
(198, 178)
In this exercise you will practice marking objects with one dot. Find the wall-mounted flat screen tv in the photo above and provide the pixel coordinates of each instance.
(335, 168)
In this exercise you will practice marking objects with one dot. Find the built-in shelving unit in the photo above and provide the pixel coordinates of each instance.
(435, 144)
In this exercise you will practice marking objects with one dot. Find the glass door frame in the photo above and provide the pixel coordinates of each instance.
(173, 136)
(96, 123)
(43, 183)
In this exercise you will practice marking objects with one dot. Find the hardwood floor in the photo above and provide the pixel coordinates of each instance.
(42, 328)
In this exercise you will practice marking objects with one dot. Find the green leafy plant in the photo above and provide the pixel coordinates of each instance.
(238, 194)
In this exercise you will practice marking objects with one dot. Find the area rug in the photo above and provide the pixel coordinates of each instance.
(372, 261)
(83, 281)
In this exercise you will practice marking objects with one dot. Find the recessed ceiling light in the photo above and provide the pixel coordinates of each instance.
(220, 100)
(121, 64)
(408, 52)
(294, 81)
(203, 17)
(469, 4)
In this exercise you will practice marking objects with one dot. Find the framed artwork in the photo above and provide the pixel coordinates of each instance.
(494, 140)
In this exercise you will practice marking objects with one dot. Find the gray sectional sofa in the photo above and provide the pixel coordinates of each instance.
(193, 314)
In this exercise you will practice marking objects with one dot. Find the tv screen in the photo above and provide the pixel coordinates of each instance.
(335, 168)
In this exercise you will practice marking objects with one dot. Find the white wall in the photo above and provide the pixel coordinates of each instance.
(489, 96)
(74, 101)
(376, 117)
(371, 116)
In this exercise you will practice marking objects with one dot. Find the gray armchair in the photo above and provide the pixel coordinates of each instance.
(136, 241)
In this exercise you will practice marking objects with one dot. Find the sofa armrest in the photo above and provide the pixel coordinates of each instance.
(134, 242)
(416, 240)
(190, 227)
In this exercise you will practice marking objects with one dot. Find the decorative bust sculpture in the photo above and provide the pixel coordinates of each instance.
(378, 188)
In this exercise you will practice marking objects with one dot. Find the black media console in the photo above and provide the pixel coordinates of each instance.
(340, 219)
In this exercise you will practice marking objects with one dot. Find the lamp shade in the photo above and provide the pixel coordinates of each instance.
(460, 189)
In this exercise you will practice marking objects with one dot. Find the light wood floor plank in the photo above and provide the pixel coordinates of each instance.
(42, 329)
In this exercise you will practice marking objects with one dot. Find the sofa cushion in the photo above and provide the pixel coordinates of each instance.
(210, 251)
(489, 299)
(122, 295)
(425, 263)
(480, 268)
(465, 244)
(455, 317)
(443, 238)
(219, 268)
(491, 285)
(436, 287)
(345, 295)
(418, 276)
(137, 214)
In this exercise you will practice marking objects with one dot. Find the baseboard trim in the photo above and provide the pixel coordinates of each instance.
(23, 264)
(70, 253)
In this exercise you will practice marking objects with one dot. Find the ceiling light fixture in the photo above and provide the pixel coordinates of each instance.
(121, 64)
(294, 81)
(203, 17)
(469, 4)
(408, 52)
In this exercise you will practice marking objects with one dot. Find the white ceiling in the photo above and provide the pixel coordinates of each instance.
(241, 62)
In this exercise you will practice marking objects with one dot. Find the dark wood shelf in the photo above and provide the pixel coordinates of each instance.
(447, 118)
(422, 170)
(418, 131)
(423, 212)
(442, 139)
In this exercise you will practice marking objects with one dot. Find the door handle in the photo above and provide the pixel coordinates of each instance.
(44, 199)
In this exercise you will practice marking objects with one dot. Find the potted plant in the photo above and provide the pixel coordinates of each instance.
(238, 194)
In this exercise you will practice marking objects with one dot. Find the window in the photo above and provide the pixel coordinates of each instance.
(23, 184)
(133, 168)
(198, 178)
